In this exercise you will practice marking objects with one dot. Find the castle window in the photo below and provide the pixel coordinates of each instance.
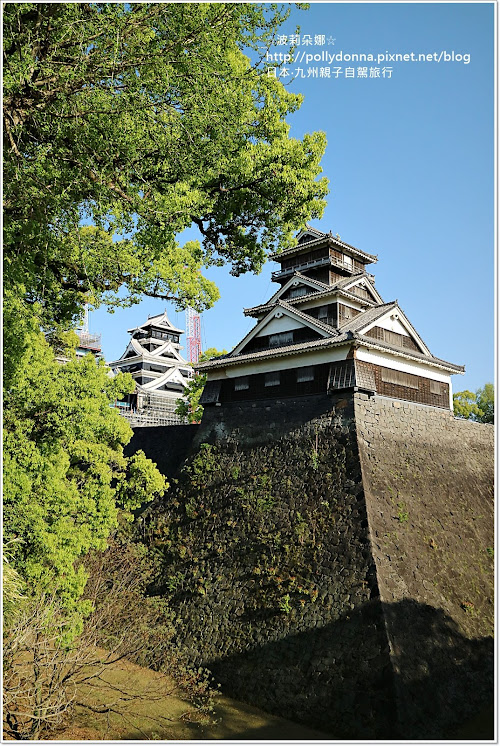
(305, 374)
(435, 387)
(278, 340)
(241, 384)
(272, 379)
(400, 379)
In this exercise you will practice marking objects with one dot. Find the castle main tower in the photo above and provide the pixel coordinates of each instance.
(327, 329)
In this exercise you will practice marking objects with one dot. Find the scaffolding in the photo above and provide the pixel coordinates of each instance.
(88, 340)
(193, 334)
(153, 411)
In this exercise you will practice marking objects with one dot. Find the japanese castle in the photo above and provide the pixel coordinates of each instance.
(160, 372)
(327, 329)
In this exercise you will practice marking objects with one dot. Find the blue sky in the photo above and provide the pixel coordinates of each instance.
(410, 159)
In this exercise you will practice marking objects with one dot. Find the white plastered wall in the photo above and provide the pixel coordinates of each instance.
(391, 324)
(406, 366)
(283, 324)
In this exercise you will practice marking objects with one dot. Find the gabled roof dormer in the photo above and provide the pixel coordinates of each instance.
(361, 282)
(387, 324)
(296, 281)
(172, 376)
(280, 319)
(308, 234)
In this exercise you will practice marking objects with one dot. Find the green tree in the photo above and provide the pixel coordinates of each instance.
(65, 474)
(142, 120)
(124, 124)
(191, 409)
(479, 406)
(465, 405)
(485, 398)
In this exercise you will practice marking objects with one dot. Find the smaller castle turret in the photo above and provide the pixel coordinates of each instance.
(160, 372)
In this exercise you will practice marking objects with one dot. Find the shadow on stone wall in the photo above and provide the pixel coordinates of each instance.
(340, 680)
(442, 678)
(166, 445)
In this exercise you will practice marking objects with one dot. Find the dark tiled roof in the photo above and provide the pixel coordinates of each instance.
(378, 344)
(346, 280)
(274, 352)
(322, 236)
(310, 279)
(329, 290)
(362, 319)
(310, 229)
(347, 332)
(323, 289)
(160, 321)
(296, 275)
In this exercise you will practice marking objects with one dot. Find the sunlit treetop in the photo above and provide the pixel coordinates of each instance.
(125, 124)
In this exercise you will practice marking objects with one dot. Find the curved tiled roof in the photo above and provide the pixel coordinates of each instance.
(221, 362)
(371, 258)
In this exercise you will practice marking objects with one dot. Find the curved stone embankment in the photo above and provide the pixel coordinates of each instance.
(428, 485)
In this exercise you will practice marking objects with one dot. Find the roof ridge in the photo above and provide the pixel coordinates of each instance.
(330, 237)
(378, 307)
(311, 228)
(311, 279)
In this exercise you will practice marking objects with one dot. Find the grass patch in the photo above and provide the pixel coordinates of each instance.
(152, 707)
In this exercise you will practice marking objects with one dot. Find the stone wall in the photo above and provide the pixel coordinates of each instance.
(167, 445)
(428, 483)
(330, 560)
(269, 568)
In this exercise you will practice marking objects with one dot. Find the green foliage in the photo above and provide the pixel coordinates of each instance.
(485, 398)
(479, 407)
(490, 551)
(191, 409)
(314, 459)
(65, 475)
(402, 513)
(465, 405)
(285, 604)
(49, 680)
(260, 514)
(142, 120)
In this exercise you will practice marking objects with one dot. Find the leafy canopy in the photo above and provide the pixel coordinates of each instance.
(479, 406)
(65, 475)
(125, 124)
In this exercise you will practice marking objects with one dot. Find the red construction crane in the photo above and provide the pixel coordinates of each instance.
(193, 335)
